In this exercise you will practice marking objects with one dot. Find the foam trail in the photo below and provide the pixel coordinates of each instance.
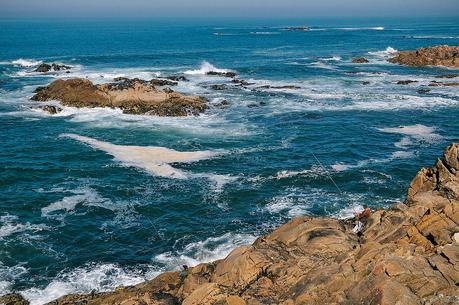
(154, 160)
(204, 69)
(26, 63)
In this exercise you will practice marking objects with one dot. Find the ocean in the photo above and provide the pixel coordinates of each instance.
(74, 218)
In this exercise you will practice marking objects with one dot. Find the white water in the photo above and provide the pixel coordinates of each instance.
(204, 69)
(154, 160)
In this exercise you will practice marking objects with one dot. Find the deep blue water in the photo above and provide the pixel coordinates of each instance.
(73, 219)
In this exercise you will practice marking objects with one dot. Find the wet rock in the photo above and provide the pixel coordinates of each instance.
(407, 254)
(50, 109)
(241, 82)
(447, 76)
(225, 74)
(365, 83)
(43, 68)
(444, 55)
(132, 96)
(443, 84)
(423, 90)
(406, 82)
(13, 299)
(162, 82)
(219, 87)
(359, 60)
(53, 67)
(178, 78)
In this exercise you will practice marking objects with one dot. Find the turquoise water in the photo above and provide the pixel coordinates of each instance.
(74, 219)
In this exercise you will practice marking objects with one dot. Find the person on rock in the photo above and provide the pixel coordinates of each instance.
(361, 219)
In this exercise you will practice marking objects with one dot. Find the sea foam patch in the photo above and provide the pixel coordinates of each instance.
(416, 132)
(205, 68)
(153, 159)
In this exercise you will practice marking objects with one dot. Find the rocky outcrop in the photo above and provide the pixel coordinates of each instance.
(13, 299)
(50, 109)
(360, 60)
(133, 96)
(51, 67)
(445, 55)
(443, 84)
(224, 74)
(407, 255)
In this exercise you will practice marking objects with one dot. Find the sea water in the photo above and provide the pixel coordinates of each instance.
(91, 199)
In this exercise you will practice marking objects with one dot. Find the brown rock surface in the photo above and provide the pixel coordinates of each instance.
(407, 255)
(445, 55)
(133, 96)
(360, 60)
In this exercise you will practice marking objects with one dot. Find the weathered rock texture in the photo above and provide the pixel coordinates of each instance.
(407, 255)
(447, 56)
(133, 96)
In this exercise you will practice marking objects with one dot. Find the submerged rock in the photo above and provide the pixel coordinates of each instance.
(406, 82)
(242, 82)
(133, 96)
(447, 76)
(408, 254)
(177, 78)
(360, 60)
(443, 84)
(423, 90)
(445, 55)
(219, 87)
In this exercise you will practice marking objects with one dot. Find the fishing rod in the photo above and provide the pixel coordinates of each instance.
(331, 179)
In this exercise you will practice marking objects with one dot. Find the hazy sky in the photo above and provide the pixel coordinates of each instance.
(226, 8)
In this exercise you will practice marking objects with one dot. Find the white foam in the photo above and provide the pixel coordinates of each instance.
(389, 51)
(83, 195)
(211, 249)
(376, 28)
(154, 160)
(417, 132)
(264, 33)
(348, 211)
(205, 68)
(322, 65)
(100, 277)
(333, 58)
(26, 63)
(8, 275)
(314, 171)
(10, 226)
(340, 167)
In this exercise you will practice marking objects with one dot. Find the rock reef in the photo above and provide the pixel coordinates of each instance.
(132, 96)
(444, 55)
(406, 255)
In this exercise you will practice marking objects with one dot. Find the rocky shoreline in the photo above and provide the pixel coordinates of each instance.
(132, 96)
(408, 254)
(447, 56)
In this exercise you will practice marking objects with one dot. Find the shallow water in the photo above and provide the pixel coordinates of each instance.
(76, 217)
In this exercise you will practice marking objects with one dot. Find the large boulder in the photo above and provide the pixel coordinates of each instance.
(445, 55)
(133, 96)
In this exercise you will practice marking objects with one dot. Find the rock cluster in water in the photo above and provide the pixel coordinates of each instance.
(444, 55)
(132, 96)
(407, 255)
(51, 67)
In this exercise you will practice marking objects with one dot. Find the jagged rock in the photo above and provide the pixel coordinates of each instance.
(133, 96)
(360, 60)
(406, 82)
(50, 109)
(13, 299)
(55, 67)
(225, 74)
(444, 55)
(408, 254)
